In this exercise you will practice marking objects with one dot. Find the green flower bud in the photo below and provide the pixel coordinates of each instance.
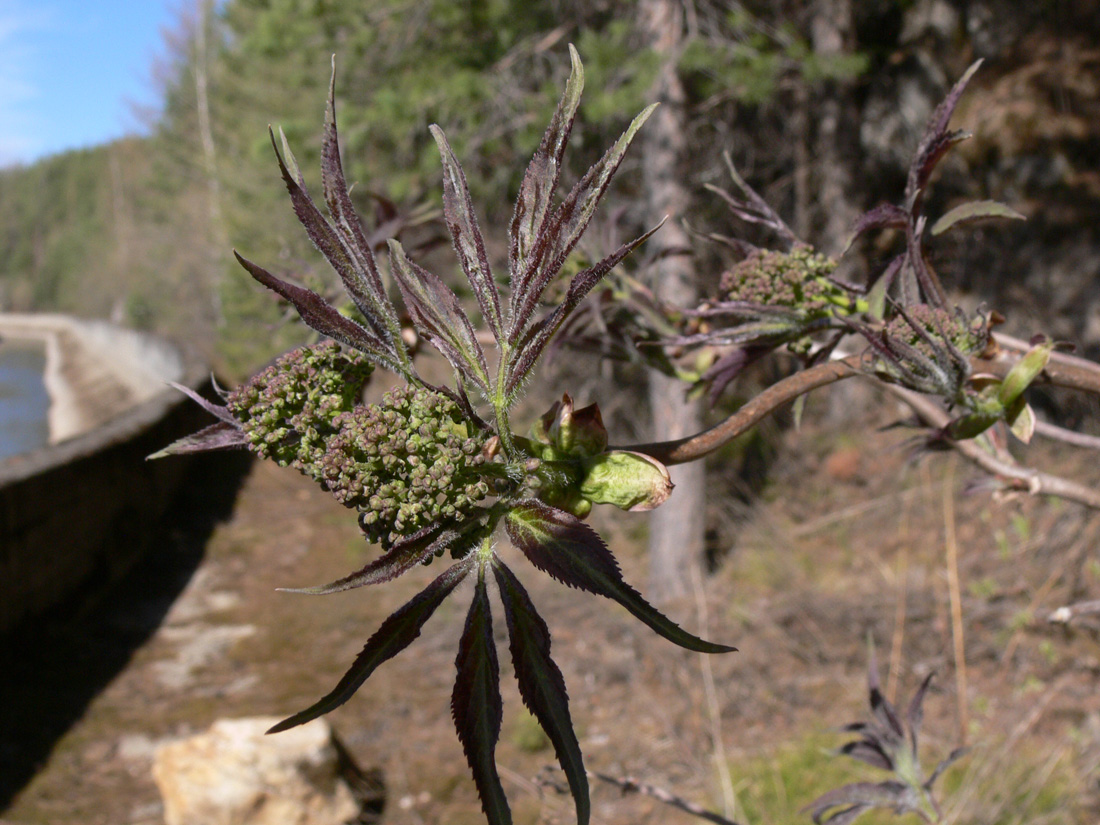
(631, 481)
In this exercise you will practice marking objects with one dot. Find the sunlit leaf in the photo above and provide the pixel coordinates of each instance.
(438, 315)
(974, 211)
(540, 682)
(540, 181)
(318, 314)
(476, 705)
(220, 436)
(395, 634)
(570, 551)
(458, 210)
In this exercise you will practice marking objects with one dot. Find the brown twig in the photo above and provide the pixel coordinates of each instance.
(629, 784)
(788, 389)
(1022, 478)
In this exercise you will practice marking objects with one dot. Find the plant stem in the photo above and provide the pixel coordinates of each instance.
(694, 447)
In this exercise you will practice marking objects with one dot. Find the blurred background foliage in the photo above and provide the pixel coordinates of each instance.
(141, 230)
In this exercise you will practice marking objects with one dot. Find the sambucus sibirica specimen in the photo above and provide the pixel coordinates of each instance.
(426, 472)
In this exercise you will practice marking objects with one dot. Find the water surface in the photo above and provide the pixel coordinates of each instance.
(24, 404)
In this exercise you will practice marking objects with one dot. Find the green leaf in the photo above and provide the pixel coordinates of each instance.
(1022, 421)
(476, 705)
(540, 682)
(631, 481)
(974, 211)
(395, 634)
(567, 549)
(1026, 370)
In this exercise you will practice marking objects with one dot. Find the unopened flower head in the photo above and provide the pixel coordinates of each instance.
(288, 410)
(968, 336)
(405, 463)
(797, 280)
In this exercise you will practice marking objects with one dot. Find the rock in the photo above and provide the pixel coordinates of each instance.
(236, 775)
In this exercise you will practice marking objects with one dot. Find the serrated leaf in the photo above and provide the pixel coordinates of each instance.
(405, 554)
(541, 684)
(329, 242)
(216, 410)
(559, 234)
(476, 705)
(395, 634)
(319, 315)
(219, 436)
(540, 181)
(362, 281)
(458, 210)
(583, 282)
(974, 211)
(438, 315)
(570, 551)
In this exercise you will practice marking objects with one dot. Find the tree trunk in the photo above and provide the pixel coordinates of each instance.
(677, 528)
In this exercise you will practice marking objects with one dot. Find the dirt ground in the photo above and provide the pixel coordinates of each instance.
(846, 542)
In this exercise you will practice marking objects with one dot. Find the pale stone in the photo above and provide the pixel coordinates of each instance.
(234, 774)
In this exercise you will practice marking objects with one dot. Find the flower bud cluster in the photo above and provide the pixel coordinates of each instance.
(288, 411)
(965, 335)
(797, 280)
(405, 463)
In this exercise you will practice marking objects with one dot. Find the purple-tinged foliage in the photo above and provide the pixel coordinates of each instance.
(394, 635)
(889, 743)
(427, 473)
(567, 549)
(476, 705)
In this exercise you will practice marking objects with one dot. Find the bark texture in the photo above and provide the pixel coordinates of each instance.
(677, 528)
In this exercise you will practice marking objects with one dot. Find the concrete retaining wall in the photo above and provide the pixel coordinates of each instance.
(77, 513)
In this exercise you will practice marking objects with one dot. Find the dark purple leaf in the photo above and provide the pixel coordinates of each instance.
(883, 216)
(395, 634)
(438, 315)
(405, 554)
(540, 682)
(936, 140)
(915, 713)
(860, 796)
(216, 410)
(570, 551)
(319, 315)
(944, 765)
(560, 232)
(582, 283)
(476, 705)
(540, 180)
(326, 238)
(886, 716)
(362, 281)
(458, 210)
(220, 436)
(869, 751)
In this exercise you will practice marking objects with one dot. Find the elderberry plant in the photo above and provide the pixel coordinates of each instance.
(425, 471)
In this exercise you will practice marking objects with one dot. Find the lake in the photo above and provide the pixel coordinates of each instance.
(23, 401)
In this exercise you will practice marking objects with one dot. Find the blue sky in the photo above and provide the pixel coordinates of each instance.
(72, 70)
